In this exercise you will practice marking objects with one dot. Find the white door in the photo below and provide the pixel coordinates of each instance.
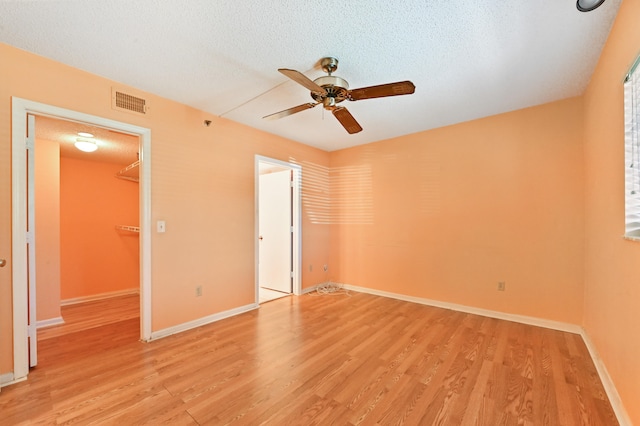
(275, 231)
(31, 244)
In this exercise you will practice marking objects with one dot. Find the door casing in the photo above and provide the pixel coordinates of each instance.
(297, 221)
(30, 147)
(20, 108)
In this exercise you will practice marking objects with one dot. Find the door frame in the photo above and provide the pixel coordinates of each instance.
(296, 204)
(20, 108)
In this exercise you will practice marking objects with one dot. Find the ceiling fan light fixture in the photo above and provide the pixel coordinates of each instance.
(86, 145)
(330, 90)
(588, 5)
(329, 103)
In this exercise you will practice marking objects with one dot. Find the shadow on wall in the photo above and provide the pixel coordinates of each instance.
(344, 194)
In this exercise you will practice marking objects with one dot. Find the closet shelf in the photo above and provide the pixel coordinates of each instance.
(131, 172)
(135, 229)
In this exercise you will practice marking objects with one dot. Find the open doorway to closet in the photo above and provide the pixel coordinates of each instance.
(89, 254)
(277, 228)
(27, 233)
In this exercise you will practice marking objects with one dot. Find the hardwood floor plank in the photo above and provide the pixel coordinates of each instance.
(543, 389)
(477, 401)
(348, 359)
(76, 318)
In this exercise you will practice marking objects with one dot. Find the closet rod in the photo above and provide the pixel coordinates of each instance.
(128, 228)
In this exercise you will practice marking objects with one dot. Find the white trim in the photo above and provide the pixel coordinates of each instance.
(311, 289)
(203, 321)
(18, 241)
(145, 235)
(76, 300)
(297, 222)
(609, 386)
(49, 322)
(538, 322)
(19, 110)
(7, 379)
(631, 89)
(32, 276)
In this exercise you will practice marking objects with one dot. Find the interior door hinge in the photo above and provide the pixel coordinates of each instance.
(29, 237)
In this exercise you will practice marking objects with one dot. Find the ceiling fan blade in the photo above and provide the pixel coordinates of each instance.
(302, 79)
(346, 119)
(391, 89)
(289, 111)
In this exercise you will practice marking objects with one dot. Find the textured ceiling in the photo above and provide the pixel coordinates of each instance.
(113, 147)
(467, 59)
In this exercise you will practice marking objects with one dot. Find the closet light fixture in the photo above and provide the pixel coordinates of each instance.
(86, 145)
(588, 5)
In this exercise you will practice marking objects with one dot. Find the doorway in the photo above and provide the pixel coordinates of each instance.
(24, 332)
(277, 229)
(87, 225)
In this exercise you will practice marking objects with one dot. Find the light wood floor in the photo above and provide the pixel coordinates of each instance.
(267, 295)
(348, 359)
(98, 313)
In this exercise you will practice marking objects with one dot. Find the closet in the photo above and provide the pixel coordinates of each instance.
(100, 251)
(130, 173)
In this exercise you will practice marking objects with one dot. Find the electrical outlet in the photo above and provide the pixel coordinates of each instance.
(502, 286)
(199, 291)
(325, 268)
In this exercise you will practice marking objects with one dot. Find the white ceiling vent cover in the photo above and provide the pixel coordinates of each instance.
(125, 102)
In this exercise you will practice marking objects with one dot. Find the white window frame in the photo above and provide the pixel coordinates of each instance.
(632, 152)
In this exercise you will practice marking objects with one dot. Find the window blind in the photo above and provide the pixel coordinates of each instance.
(632, 151)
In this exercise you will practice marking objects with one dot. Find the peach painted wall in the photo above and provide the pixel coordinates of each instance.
(612, 267)
(47, 216)
(95, 257)
(202, 186)
(208, 203)
(455, 210)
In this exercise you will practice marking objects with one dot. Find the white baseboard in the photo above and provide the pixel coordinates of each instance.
(310, 289)
(100, 296)
(49, 322)
(7, 379)
(202, 321)
(539, 322)
(609, 387)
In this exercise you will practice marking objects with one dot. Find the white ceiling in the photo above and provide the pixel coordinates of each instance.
(467, 59)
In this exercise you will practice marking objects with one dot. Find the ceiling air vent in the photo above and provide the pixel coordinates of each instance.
(125, 102)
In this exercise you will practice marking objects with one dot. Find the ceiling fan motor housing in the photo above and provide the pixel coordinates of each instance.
(336, 87)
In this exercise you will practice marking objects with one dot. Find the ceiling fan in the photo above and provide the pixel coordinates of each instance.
(330, 90)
